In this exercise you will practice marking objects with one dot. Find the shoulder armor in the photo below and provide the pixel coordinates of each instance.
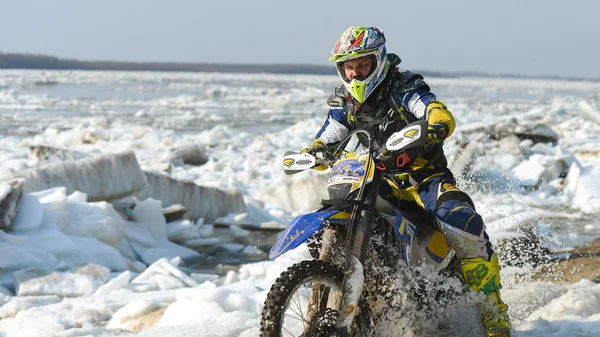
(393, 59)
(407, 81)
(338, 98)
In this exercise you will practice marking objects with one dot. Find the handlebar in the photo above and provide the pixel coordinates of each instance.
(413, 135)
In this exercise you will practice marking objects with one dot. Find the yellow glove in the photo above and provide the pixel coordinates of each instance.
(441, 122)
(318, 146)
(437, 132)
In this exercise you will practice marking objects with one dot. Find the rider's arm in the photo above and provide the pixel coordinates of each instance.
(334, 129)
(424, 105)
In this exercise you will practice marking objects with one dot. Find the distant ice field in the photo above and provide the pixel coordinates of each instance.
(31, 99)
(177, 101)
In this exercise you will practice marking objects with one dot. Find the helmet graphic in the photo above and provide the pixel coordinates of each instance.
(357, 42)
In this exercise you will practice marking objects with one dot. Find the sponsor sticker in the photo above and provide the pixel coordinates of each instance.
(411, 133)
(347, 171)
(288, 162)
(396, 142)
(303, 162)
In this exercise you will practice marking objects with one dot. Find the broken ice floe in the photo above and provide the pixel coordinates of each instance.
(53, 229)
(101, 178)
(10, 195)
(95, 280)
(201, 202)
(134, 301)
(111, 177)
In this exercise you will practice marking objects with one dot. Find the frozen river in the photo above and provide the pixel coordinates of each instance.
(245, 122)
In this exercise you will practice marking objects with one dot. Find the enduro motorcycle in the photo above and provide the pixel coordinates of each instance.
(356, 228)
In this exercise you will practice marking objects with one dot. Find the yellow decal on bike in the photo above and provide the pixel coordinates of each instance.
(411, 133)
(437, 247)
(341, 215)
(288, 162)
(402, 225)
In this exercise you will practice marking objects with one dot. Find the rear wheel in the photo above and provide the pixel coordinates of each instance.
(303, 301)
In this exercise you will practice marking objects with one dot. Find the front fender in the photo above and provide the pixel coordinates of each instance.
(303, 226)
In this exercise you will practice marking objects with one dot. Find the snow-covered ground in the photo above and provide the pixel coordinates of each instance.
(71, 267)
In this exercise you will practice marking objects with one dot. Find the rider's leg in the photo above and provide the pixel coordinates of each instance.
(389, 191)
(465, 232)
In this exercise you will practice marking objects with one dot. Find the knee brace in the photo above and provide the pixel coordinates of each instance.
(463, 229)
(460, 215)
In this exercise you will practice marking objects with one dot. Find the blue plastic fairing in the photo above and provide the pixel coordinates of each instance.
(301, 228)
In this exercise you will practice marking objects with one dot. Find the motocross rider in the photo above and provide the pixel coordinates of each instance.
(376, 96)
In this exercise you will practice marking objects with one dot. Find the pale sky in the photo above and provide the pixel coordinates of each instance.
(532, 37)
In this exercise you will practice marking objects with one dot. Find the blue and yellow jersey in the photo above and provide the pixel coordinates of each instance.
(420, 103)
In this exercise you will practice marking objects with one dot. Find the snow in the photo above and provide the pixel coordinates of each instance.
(75, 264)
(587, 195)
(79, 282)
(529, 171)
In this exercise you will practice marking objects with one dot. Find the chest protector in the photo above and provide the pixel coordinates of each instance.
(382, 114)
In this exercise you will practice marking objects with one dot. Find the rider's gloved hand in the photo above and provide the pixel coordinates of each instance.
(320, 150)
(437, 132)
(441, 122)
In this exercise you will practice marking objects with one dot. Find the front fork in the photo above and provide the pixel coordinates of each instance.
(356, 253)
(334, 297)
(354, 278)
(353, 281)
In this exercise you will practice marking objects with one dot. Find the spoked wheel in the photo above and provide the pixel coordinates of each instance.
(304, 301)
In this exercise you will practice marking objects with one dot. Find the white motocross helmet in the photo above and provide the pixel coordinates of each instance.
(357, 42)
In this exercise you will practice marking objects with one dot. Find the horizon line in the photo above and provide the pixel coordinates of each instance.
(49, 62)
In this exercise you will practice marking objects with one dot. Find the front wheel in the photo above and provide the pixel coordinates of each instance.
(303, 301)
